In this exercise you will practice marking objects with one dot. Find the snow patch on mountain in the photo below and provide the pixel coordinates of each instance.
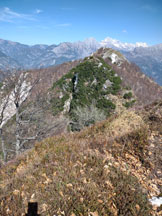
(115, 56)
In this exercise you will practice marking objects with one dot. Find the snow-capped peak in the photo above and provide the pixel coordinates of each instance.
(113, 43)
(141, 44)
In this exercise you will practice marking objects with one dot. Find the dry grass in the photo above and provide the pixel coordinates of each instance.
(93, 172)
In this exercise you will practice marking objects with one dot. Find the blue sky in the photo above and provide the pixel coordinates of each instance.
(55, 21)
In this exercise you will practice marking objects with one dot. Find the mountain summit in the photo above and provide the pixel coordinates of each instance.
(113, 43)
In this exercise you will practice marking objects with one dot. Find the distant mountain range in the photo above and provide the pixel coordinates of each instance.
(14, 55)
(116, 44)
(149, 59)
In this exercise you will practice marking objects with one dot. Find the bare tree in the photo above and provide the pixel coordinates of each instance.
(86, 116)
(21, 85)
(32, 116)
(4, 102)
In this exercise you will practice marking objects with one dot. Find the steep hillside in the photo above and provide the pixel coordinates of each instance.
(144, 88)
(90, 91)
(107, 169)
(92, 82)
(79, 93)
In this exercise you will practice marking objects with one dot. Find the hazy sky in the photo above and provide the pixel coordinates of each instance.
(55, 21)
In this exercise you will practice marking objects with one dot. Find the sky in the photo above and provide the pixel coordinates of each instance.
(55, 21)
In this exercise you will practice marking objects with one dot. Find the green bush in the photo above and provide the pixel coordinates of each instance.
(58, 104)
(128, 95)
(105, 105)
(129, 104)
(1, 84)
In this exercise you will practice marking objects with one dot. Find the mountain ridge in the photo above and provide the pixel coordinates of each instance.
(110, 168)
(148, 58)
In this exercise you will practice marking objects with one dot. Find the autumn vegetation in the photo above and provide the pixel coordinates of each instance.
(102, 170)
(97, 155)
